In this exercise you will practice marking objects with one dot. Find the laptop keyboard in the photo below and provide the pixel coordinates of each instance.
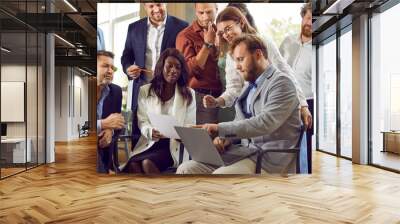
(229, 158)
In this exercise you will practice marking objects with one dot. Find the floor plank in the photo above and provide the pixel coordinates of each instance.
(70, 191)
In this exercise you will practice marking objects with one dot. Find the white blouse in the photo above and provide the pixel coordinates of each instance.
(166, 108)
(235, 82)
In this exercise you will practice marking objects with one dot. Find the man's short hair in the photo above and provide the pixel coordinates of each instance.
(307, 6)
(105, 53)
(253, 43)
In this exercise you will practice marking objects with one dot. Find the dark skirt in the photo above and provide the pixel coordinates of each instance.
(159, 154)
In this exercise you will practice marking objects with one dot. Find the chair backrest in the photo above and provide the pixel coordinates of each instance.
(86, 125)
(127, 117)
(300, 150)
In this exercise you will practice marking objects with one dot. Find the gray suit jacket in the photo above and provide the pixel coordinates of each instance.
(276, 124)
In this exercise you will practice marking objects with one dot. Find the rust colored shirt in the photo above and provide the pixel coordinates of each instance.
(189, 42)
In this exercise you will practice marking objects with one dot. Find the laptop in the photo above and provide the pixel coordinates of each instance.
(200, 147)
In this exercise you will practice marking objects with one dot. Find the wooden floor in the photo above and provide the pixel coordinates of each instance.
(70, 191)
(10, 171)
(387, 159)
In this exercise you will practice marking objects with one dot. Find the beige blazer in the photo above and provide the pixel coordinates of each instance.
(184, 114)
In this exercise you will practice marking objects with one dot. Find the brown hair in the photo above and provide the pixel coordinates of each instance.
(234, 14)
(105, 53)
(307, 6)
(243, 8)
(253, 43)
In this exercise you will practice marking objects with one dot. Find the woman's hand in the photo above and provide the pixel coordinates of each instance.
(155, 135)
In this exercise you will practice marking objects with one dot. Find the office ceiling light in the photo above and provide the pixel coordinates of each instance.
(84, 71)
(65, 41)
(5, 50)
(70, 5)
(337, 7)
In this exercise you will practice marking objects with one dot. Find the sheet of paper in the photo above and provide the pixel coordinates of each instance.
(164, 124)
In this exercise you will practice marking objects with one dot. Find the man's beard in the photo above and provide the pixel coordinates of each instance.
(252, 69)
(306, 31)
(204, 24)
(158, 18)
(106, 81)
(251, 72)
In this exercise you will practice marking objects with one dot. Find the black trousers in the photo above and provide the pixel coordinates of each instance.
(310, 133)
(135, 136)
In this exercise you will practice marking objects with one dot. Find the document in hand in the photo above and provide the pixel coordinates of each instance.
(165, 124)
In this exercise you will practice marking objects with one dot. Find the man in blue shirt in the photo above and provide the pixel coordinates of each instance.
(109, 118)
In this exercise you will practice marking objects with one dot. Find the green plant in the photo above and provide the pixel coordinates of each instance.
(278, 29)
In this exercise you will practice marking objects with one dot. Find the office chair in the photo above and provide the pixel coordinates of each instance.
(301, 155)
(126, 133)
(84, 130)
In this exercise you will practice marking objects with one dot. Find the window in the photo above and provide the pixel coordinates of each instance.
(327, 96)
(114, 19)
(385, 85)
(346, 94)
(22, 62)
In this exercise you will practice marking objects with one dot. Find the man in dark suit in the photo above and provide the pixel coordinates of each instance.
(109, 118)
(145, 41)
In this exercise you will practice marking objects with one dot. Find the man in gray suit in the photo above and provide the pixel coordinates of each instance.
(267, 114)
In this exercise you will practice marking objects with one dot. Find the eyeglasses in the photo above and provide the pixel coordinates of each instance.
(227, 29)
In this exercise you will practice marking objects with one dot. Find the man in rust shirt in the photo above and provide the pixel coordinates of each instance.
(197, 44)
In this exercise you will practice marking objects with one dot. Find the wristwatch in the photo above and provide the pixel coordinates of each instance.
(208, 45)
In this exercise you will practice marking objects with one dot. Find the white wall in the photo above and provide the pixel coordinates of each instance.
(15, 73)
(34, 124)
(70, 84)
(61, 103)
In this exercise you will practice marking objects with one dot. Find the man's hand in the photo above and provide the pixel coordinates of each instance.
(155, 135)
(105, 138)
(133, 71)
(113, 121)
(221, 144)
(306, 117)
(210, 102)
(212, 129)
(210, 34)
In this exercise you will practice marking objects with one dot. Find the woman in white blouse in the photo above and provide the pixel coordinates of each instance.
(168, 94)
(232, 23)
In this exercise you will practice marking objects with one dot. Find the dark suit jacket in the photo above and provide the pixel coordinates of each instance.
(107, 156)
(135, 47)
